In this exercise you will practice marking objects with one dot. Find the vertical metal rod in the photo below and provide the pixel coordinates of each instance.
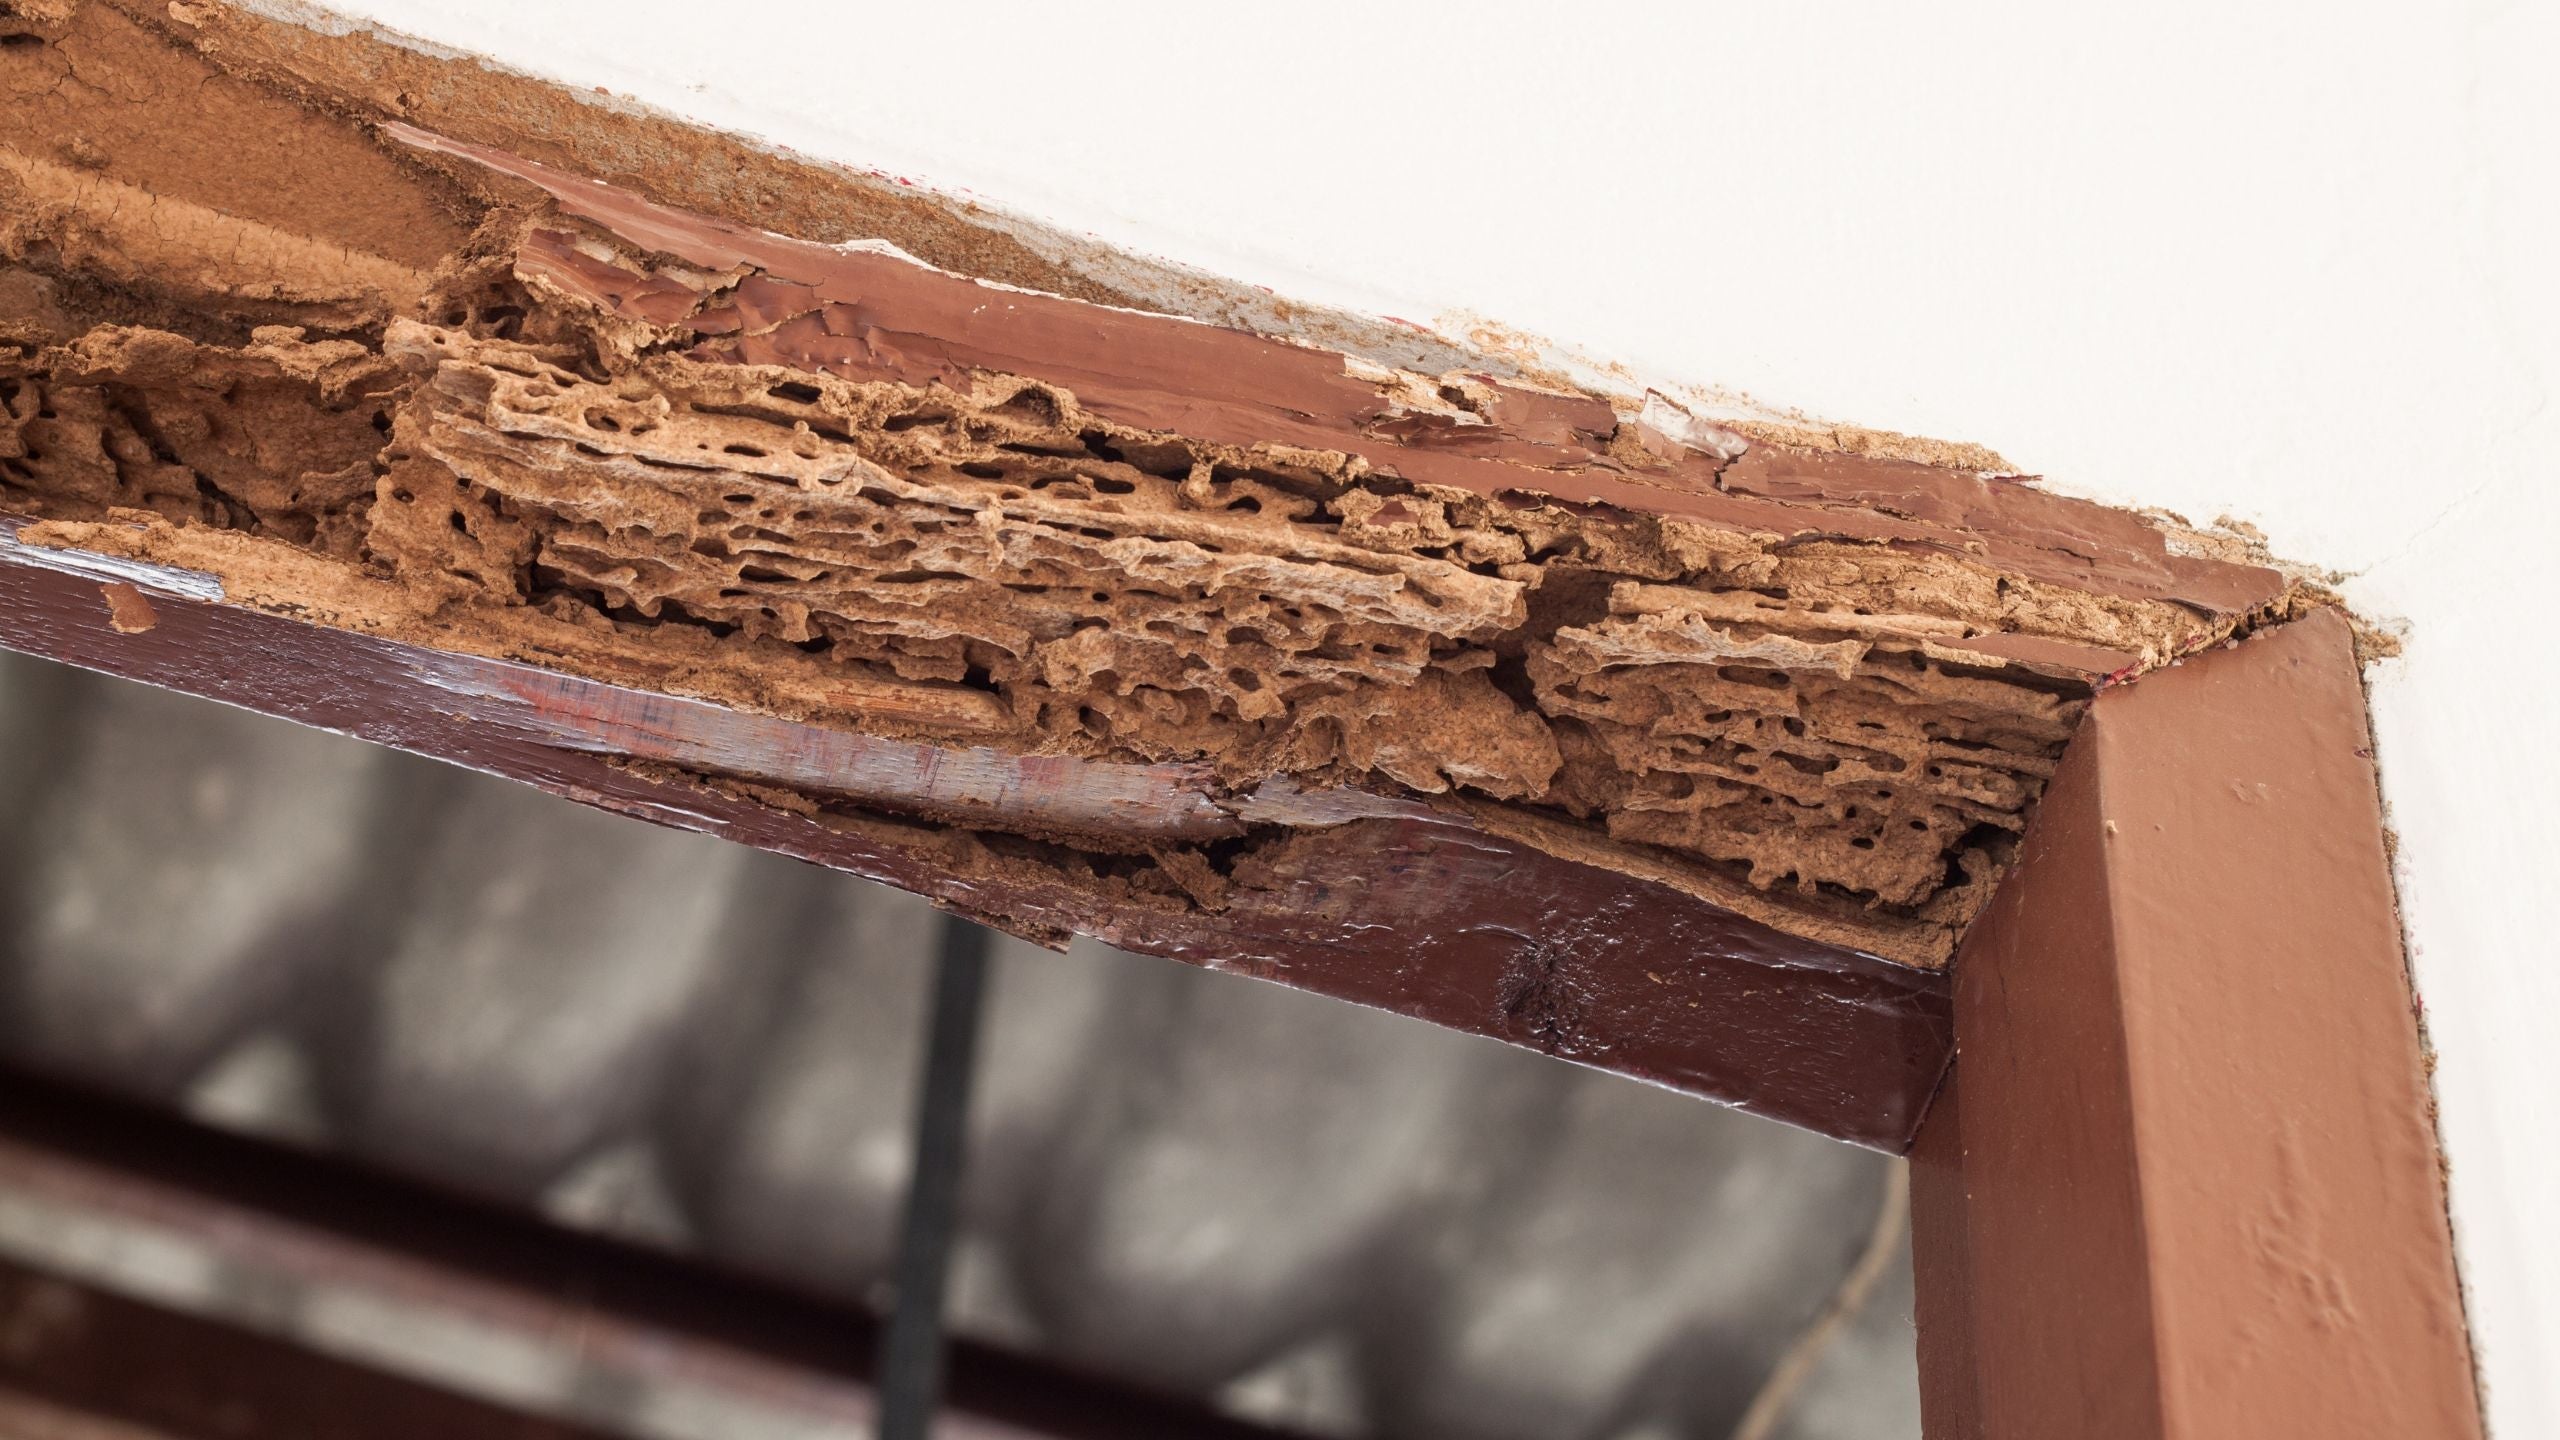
(911, 1351)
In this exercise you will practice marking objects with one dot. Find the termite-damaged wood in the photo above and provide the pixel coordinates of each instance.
(431, 391)
(1388, 903)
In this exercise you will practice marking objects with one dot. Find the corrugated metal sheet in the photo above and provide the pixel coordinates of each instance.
(1319, 1214)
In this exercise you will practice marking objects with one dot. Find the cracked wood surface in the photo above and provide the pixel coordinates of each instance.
(1149, 615)
(1411, 910)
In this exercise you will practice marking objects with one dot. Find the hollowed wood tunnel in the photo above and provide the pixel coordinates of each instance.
(421, 402)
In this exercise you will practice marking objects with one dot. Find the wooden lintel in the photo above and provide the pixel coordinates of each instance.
(1662, 745)
(1409, 909)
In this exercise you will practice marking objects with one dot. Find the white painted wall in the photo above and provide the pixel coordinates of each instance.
(2297, 262)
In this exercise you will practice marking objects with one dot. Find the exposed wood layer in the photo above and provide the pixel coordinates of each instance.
(441, 393)
(1386, 903)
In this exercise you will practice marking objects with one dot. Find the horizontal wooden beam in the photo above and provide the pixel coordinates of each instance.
(1680, 747)
(115, 1362)
(89, 1328)
(1399, 906)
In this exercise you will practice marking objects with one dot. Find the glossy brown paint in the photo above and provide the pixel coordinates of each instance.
(1413, 909)
(2184, 1180)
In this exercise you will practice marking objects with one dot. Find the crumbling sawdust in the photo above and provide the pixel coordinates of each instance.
(1881, 444)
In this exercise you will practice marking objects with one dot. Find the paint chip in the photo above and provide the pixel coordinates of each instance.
(127, 610)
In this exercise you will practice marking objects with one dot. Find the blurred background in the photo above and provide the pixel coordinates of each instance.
(1316, 1218)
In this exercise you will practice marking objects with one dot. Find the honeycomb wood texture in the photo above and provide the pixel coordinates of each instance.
(449, 395)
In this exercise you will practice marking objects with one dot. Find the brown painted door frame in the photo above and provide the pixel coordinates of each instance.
(2183, 1178)
(2180, 1176)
